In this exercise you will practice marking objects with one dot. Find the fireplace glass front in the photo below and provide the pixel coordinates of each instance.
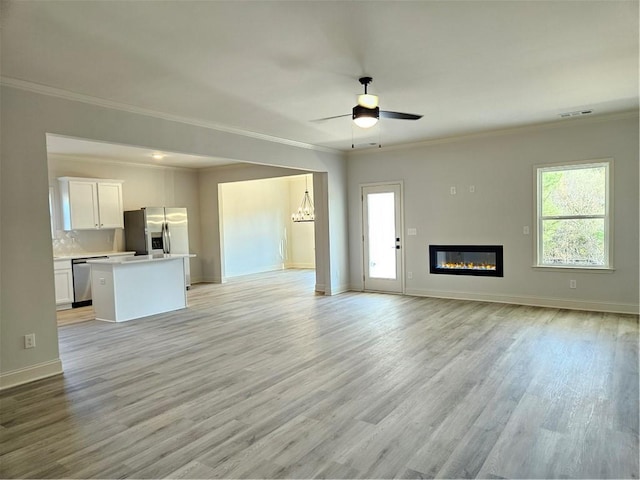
(480, 260)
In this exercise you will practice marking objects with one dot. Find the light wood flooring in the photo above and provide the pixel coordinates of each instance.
(261, 378)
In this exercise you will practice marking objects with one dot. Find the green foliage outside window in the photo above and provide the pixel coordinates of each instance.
(573, 215)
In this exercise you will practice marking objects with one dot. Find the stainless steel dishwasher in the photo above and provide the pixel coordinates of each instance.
(81, 281)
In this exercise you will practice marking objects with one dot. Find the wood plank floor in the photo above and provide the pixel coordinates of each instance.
(261, 378)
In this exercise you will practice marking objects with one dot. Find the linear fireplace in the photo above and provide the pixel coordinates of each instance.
(481, 260)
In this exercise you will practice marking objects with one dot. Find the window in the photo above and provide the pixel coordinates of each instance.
(573, 228)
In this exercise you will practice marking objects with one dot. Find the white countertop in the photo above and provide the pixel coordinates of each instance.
(71, 256)
(158, 257)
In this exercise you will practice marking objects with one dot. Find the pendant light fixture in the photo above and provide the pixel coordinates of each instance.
(305, 211)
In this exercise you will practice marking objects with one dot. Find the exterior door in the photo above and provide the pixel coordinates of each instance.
(382, 228)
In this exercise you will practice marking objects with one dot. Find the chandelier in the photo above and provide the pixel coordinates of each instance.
(305, 211)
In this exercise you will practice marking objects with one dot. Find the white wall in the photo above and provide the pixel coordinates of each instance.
(254, 225)
(144, 186)
(500, 167)
(27, 301)
(257, 231)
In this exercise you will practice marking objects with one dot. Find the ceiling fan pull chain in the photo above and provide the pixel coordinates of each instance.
(352, 142)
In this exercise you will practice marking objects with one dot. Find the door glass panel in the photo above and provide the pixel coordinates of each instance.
(382, 235)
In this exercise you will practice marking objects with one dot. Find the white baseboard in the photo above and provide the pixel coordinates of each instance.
(339, 289)
(521, 300)
(210, 280)
(300, 265)
(30, 374)
(530, 301)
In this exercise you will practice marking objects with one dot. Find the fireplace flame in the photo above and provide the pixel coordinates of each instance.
(467, 266)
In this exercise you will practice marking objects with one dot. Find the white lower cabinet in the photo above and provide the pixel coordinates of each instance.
(63, 276)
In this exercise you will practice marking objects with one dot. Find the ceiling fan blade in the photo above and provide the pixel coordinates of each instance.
(330, 118)
(399, 116)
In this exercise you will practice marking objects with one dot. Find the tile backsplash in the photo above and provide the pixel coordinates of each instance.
(87, 241)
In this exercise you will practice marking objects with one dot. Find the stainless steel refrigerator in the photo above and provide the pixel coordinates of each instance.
(158, 230)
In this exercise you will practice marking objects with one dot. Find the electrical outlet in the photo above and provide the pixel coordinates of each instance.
(30, 340)
(409, 275)
(412, 231)
(102, 281)
(572, 284)
(452, 190)
(525, 230)
(472, 188)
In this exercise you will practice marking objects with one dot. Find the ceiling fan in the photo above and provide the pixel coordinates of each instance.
(367, 112)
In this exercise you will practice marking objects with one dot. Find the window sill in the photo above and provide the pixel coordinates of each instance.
(561, 268)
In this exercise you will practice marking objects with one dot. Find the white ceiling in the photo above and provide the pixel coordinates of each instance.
(271, 67)
(85, 149)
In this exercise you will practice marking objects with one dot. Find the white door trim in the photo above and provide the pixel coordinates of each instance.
(393, 183)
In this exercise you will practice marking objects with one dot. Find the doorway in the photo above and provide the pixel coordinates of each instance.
(382, 237)
(257, 231)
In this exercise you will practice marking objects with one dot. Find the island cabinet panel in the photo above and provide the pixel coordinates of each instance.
(89, 204)
(128, 288)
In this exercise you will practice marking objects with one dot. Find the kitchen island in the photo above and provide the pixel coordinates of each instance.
(126, 288)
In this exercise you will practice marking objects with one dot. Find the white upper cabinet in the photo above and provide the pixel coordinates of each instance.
(110, 211)
(89, 203)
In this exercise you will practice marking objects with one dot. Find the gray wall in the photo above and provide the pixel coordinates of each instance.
(27, 293)
(501, 168)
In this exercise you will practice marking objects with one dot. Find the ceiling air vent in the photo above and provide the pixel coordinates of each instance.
(577, 113)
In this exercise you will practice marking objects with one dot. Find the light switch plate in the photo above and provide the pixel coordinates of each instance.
(412, 231)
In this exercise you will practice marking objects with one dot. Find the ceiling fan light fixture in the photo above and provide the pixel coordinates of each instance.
(367, 100)
(365, 117)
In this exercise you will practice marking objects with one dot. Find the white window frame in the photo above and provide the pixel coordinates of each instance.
(608, 215)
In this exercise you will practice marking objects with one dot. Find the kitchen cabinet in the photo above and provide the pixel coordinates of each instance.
(90, 203)
(126, 288)
(63, 283)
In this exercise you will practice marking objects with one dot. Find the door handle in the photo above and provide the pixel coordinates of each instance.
(164, 238)
(168, 239)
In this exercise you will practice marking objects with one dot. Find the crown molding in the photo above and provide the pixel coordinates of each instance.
(100, 102)
(565, 123)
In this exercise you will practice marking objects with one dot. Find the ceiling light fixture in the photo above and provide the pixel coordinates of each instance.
(365, 117)
(368, 100)
(305, 211)
(157, 156)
